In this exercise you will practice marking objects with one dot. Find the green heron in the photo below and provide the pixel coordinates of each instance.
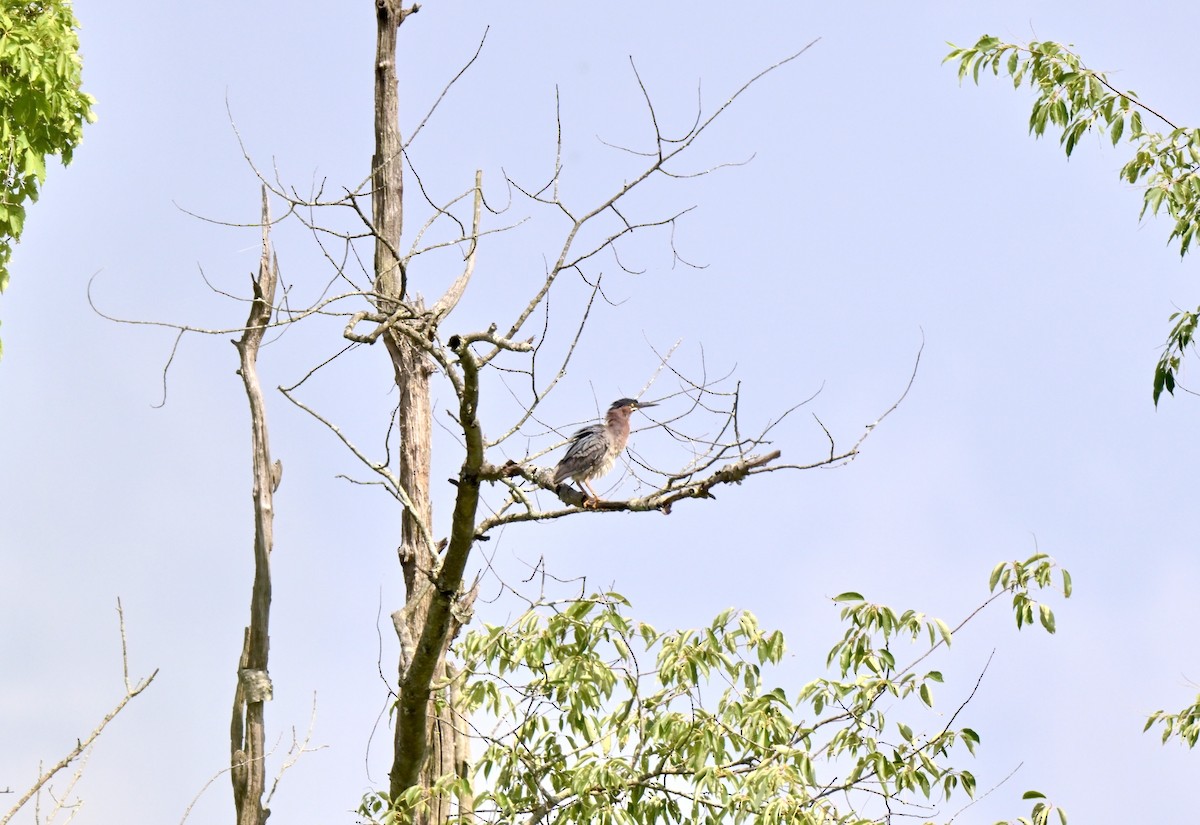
(593, 450)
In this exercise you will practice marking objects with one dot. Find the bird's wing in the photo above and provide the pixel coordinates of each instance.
(582, 438)
(580, 451)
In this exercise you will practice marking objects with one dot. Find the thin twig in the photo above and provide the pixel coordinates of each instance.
(83, 745)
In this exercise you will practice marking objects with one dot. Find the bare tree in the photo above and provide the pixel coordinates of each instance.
(438, 602)
(429, 777)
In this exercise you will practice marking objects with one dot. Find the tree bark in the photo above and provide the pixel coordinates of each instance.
(247, 756)
(423, 745)
(429, 739)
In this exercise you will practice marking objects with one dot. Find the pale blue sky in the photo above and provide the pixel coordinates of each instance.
(884, 203)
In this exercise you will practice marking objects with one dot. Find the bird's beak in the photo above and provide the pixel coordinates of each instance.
(642, 406)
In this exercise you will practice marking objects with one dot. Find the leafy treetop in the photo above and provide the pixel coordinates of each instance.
(596, 717)
(42, 107)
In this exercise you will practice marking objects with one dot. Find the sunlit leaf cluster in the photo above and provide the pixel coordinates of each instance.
(1183, 332)
(42, 107)
(1075, 100)
(1185, 724)
(1040, 815)
(583, 714)
(1017, 577)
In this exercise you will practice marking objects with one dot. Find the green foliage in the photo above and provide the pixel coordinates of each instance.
(600, 718)
(42, 108)
(377, 808)
(1185, 724)
(1183, 331)
(1041, 811)
(1075, 100)
(1017, 577)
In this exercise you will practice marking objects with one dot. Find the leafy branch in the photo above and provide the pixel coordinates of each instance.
(600, 717)
(42, 108)
(1075, 100)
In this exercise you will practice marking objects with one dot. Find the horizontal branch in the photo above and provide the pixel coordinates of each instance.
(661, 500)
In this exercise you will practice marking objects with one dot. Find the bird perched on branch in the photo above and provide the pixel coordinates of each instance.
(593, 450)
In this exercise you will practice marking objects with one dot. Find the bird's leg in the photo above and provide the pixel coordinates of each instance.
(590, 501)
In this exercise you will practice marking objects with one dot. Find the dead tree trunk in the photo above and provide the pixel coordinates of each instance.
(424, 743)
(247, 757)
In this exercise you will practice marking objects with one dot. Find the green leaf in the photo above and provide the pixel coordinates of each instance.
(1160, 381)
(1117, 129)
(997, 572)
(1033, 795)
(34, 165)
(849, 596)
(1047, 617)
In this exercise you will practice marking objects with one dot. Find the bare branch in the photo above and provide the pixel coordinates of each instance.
(665, 150)
(318, 308)
(82, 745)
(298, 748)
(166, 368)
(911, 379)
(453, 80)
(447, 302)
